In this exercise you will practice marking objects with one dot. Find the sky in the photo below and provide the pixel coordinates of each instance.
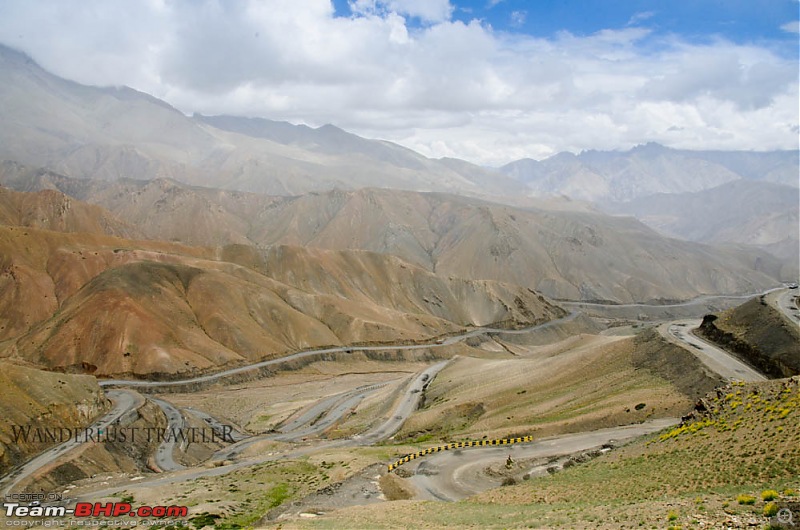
(489, 81)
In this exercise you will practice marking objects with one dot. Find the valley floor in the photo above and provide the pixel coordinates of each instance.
(312, 444)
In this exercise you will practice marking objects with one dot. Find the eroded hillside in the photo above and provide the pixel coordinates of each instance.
(102, 305)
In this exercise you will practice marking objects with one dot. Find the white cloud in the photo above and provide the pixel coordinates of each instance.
(428, 10)
(447, 88)
(640, 17)
(518, 18)
(791, 27)
(425, 10)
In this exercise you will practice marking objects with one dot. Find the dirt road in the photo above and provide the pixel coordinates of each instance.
(718, 360)
(124, 401)
(784, 301)
(458, 474)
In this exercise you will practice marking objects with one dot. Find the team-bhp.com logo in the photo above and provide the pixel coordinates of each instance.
(93, 509)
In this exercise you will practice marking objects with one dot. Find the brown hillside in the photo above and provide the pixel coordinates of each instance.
(52, 210)
(116, 311)
(576, 255)
(387, 280)
(40, 269)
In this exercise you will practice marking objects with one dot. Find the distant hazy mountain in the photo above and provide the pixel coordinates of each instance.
(602, 176)
(111, 133)
(762, 214)
(564, 254)
(154, 160)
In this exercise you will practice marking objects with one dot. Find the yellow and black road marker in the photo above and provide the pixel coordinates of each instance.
(458, 445)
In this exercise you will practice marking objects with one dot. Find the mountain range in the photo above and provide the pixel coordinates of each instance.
(89, 302)
(568, 254)
(219, 180)
(113, 132)
(620, 176)
(116, 132)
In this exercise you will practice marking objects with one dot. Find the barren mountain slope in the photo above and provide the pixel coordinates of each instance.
(757, 332)
(40, 269)
(90, 131)
(159, 208)
(564, 254)
(105, 307)
(111, 133)
(52, 210)
(387, 280)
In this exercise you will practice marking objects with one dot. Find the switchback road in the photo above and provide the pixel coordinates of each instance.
(405, 406)
(324, 414)
(784, 301)
(210, 378)
(175, 421)
(716, 359)
(123, 400)
(458, 474)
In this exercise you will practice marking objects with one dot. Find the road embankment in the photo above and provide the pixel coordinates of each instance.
(759, 334)
(669, 361)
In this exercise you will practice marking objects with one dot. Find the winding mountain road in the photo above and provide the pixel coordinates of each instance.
(123, 401)
(458, 474)
(315, 420)
(405, 406)
(454, 482)
(324, 414)
(164, 456)
(408, 404)
(210, 378)
(235, 433)
(784, 302)
(716, 359)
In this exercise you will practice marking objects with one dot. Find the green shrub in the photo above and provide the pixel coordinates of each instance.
(278, 494)
(745, 499)
(204, 519)
(769, 495)
(771, 509)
